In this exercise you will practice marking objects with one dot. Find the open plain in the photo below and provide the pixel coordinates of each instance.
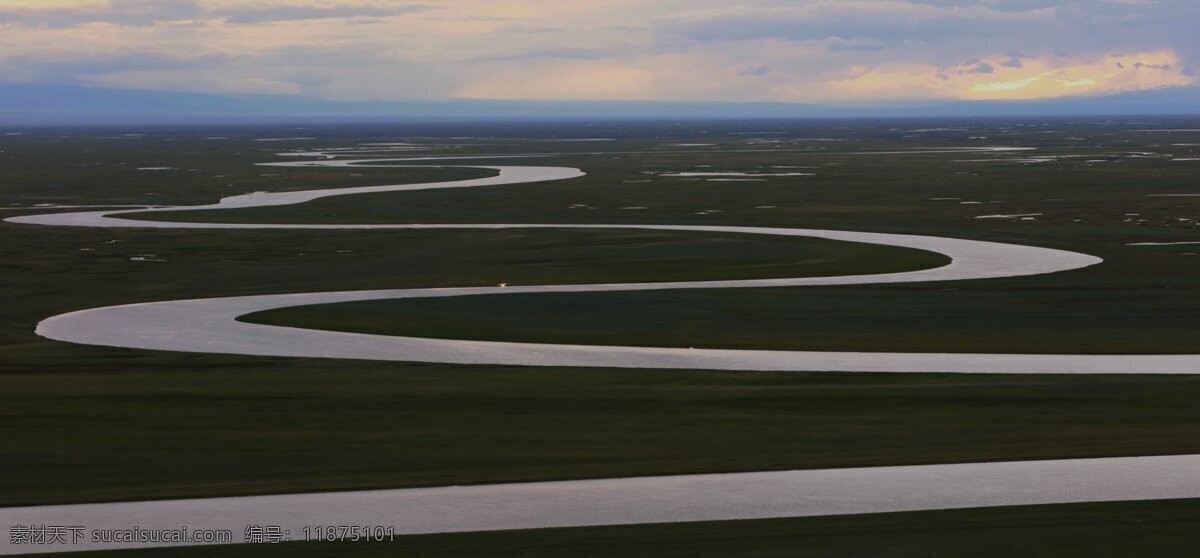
(1104, 206)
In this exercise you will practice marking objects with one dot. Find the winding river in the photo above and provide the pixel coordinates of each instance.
(211, 326)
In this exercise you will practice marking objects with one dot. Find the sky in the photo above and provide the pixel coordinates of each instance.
(802, 51)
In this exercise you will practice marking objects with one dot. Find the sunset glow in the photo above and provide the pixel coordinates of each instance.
(704, 50)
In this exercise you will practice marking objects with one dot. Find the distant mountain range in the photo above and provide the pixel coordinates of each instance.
(30, 104)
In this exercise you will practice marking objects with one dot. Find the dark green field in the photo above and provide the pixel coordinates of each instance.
(1144, 299)
(96, 424)
(156, 425)
(983, 317)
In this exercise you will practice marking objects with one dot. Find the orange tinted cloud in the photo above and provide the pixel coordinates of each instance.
(713, 50)
(1035, 78)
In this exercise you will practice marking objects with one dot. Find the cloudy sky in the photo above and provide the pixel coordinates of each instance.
(693, 50)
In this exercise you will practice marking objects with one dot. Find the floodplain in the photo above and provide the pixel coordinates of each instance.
(91, 424)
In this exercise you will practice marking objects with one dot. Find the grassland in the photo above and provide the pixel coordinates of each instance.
(1092, 192)
(89, 424)
(993, 317)
(123, 425)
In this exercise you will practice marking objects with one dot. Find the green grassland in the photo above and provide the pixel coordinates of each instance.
(113, 424)
(93, 424)
(1107, 530)
(92, 167)
(1005, 317)
(1096, 199)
